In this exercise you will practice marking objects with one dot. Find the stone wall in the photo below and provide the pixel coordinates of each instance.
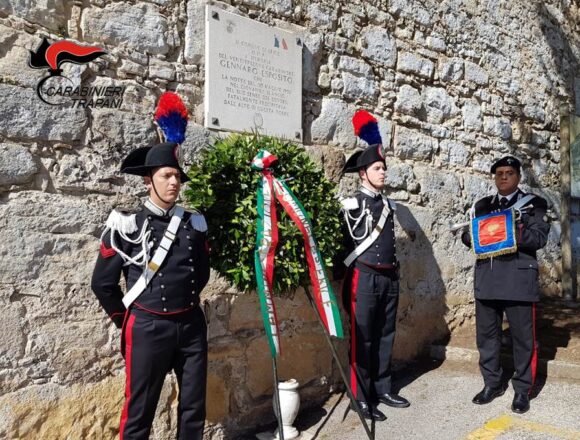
(456, 84)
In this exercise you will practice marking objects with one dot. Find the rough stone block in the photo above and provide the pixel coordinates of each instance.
(410, 63)
(358, 88)
(386, 131)
(197, 138)
(218, 402)
(140, 26)
(15, 46)
(311, 56)
(354, 66)
(70, 362)
(472, 118)
(161, 69)
(17, 165)
(439, 104)
(129, 67)
(436, 43)
(439, 187)
(321, 16)
(398, 176)
(47, 13)
(37, 120)
(348, 26)
(454, 153)
(409, 100)
(540, 138)
(411, 10)
(12, 333)
(451, 70)
(483, 163)
(379, 46)
(324, 80)
(535, 112)
(476, 74)
(112, 129)
(334, 123)
(195, 32)
(244, 314)
(52, 411)
(280, 7)
(67, 214)
(500, 127)
(412, 144)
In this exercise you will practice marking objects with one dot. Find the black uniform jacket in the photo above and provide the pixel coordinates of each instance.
(176, 286)
(382, 253)
(512, 276)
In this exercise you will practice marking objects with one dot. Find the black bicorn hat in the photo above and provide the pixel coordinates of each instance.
(507, 161)
(143, 160)
(364, 158)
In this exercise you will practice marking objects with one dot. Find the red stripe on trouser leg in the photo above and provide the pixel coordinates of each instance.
(128, 359)
(535, 352)
(353, 286)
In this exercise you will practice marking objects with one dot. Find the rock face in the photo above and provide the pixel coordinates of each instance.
(454, 85)
(17, 165)
(140, 27)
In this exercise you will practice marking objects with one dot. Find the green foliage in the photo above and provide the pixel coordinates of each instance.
(224, 187)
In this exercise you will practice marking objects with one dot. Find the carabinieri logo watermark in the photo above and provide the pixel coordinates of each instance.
(56, 89)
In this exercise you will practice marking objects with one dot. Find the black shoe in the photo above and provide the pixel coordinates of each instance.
(370, 412)
(487, 395)
(521, 403)
(393, 400)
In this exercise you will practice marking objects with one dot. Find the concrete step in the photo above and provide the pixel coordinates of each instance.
(557, 334)
(551, 368)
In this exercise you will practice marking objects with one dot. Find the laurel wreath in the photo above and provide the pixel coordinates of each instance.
(223, 187)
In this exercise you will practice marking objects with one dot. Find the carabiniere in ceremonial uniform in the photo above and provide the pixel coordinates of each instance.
(163, 256)
(371, 289)
(508, 283)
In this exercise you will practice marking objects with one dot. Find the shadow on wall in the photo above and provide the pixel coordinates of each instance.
(563, 55)
(567, 65)
(422, 304)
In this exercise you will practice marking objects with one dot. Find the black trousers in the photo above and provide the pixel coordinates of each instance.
(521, 317)
(153, 346)
(374, 298)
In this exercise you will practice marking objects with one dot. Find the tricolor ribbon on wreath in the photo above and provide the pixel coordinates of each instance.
(271, 189)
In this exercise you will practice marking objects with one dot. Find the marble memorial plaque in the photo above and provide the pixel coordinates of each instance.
(253, 76)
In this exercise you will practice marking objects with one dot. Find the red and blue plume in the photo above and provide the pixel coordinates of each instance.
(366, 127)
(171, 116)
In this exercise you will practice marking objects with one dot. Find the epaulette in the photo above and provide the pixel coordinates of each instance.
(121, 222)
(197, 220)
(349, 203)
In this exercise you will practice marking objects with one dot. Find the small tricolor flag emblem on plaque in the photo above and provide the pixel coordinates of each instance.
(494, 234)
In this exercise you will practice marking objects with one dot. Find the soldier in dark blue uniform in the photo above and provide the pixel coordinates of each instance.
(162, 253)
(371, 290)
(509, 284)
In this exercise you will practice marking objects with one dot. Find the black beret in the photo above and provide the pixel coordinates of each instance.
(507, 161)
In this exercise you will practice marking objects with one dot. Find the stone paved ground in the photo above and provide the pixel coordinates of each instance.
(441, 409)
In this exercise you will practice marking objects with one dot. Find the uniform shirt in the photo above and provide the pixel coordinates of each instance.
(382, 253)
(175, 287)
(512, 276)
